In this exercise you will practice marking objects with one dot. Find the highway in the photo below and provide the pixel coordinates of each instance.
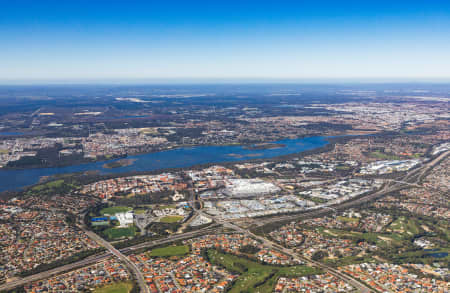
(387, 188)
(47, 274)
(131, 265)
(354, 282)
(330, 209)
(101, 257)
(102, 242)
(411, 177)
(390, 186)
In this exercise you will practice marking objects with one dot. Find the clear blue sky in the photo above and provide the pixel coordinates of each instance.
(101, 40)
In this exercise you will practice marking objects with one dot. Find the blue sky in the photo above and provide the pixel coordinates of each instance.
(140, 40)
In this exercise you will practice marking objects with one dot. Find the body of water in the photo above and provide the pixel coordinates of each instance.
(175, 158)
(438, 254)
(10, 133)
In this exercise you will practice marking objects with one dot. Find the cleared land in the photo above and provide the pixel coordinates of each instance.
(170, 251)
(121, 287)
(139, 211)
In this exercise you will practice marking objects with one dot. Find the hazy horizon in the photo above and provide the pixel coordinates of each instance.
(225, 81)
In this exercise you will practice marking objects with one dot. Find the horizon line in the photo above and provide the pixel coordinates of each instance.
(225, 80)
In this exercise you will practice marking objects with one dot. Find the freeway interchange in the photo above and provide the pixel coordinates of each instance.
(411, 178)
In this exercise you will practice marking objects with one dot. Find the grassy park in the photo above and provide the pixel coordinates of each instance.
(170, 251)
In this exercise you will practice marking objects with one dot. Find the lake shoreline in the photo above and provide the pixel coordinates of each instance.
(177, 159)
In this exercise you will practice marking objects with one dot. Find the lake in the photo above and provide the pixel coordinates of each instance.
(175, 158)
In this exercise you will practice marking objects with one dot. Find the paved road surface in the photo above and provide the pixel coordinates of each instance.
(137, 273)
(411, 178)
(100, 257)
(355, 283)
(47, 274)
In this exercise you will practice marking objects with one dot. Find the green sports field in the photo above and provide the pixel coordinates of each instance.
(113, 210)
(171, 219)
(113, 233)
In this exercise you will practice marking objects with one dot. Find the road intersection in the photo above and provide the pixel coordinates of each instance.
(412, 178)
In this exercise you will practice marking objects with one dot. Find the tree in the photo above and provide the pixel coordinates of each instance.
(319, 255)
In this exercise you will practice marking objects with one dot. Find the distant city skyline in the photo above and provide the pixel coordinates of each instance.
(229, 41)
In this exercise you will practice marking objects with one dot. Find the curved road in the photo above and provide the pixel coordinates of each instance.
(131, 265)
(414, 175)
(100, 257)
